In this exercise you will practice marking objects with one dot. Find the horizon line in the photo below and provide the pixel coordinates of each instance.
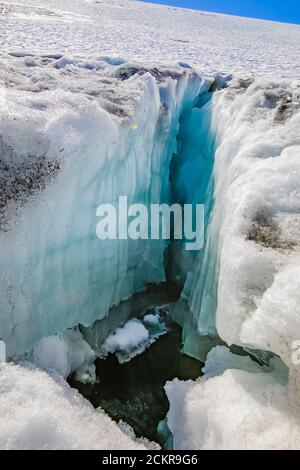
(255, 18)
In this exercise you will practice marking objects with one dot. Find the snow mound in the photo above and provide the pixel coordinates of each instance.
(233, 409)
(65, 354)
(35, 13)
(237, 410)
(40, 412)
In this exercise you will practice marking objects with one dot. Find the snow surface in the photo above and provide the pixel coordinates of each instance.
(255, 227)
(260, 220)
(236, 405)
(41, 412)
(136, 30)
(87, 113)
(236, 410)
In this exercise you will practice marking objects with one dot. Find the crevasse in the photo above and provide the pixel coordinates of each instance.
(55, 272)
(193, 182)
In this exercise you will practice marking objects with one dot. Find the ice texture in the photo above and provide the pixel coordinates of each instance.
(87, 135)
(42, 412)
(260, 212)
(134, 337)
(87, 115)
(236, 410)
(248, 289)
(133, 30)
(255, 226)
(66, 353)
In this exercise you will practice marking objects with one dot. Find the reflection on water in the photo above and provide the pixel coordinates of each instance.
(133, 392)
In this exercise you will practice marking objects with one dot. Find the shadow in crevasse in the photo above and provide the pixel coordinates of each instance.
(134, 391)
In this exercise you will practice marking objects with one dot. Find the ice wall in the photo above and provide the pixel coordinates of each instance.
(256, 217)
(74, 134)
(253, 236)
(260, 230)
(193, 182)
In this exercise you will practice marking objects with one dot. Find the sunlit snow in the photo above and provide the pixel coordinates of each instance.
(101, 99)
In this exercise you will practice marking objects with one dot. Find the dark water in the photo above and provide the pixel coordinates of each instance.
(133, 392)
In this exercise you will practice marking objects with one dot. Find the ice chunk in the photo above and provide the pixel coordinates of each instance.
(220, 359)
(41, 412)
(275, 324)
(236, 410)
(130, 339)
(66, 353)
(152, 319)
(62, 62)
(165, 434)
(156, 322)
(134, 337)
(30, 61)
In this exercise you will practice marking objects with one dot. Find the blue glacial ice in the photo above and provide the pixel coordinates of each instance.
(81, 142)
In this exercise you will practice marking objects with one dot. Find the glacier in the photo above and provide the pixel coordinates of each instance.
(131, 29)
(79, 149)
(253, 231)
(230, 143)
(87, 113)
(256, 220)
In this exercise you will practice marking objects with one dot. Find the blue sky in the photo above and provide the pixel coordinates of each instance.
(277, 10)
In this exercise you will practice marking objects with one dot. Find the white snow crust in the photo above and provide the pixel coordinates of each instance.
(134, 337)
(236, 410)
(142, 31)
(88, 112)
(41, 412)
(255, 227)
